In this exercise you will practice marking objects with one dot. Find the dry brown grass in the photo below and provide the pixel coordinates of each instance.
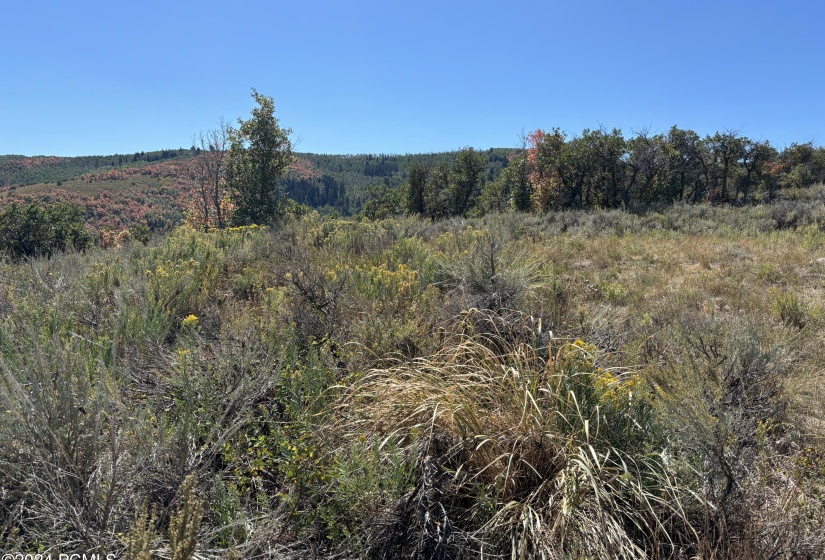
(535, 441)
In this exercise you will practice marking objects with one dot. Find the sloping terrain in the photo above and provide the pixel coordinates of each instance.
(153, 188)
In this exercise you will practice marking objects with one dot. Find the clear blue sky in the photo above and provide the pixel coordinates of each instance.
(82, 78)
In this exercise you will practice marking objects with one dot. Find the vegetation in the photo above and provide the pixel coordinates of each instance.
(551, 171)
(601, 169)
(207, 171)
(163, 194)
(30, 231)
(341, 184)
(576, 384)
(156, 196)
(19, 170)
(259, 155)
(589, 347)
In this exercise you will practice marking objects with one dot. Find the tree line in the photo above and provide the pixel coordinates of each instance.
(345, 184)
(603, 169)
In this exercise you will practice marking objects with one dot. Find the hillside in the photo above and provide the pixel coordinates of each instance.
(341, 183)
(151, 188)
(22, 170)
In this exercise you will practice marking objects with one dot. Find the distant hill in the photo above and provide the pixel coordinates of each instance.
(339, 183)
(22, 170)
(152, 188)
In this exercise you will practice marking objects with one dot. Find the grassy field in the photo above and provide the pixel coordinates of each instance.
(570, 385)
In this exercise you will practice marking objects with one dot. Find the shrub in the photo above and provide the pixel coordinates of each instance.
(67, 466)
(186, 522)
(31, 230)
(496, 273)
(724, 397)
(790, 308)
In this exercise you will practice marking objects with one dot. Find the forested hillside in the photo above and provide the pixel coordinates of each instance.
(341, 183)
(156, 188)
(21, 170)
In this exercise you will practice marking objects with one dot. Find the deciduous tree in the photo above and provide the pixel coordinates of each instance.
(466, 177)
(415, 187)
(437, 192)
(207, 172)
(259, 156)
(755, 155)
(31, 230)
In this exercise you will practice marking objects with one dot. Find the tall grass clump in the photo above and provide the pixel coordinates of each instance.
(522, 454)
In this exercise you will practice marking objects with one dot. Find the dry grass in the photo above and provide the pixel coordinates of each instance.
(535, 440)
(465, 426)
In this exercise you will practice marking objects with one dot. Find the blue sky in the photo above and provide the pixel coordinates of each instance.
(82, 78)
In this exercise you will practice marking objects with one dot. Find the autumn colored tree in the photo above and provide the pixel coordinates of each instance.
(538, 172)
(544, 158)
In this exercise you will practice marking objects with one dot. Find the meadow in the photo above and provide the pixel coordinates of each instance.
(576, 384)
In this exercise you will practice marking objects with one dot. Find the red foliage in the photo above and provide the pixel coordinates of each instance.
(777, 168)
(542, 174)
(302, 168)
(535, 139)
(160, 207)
(32, 162)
